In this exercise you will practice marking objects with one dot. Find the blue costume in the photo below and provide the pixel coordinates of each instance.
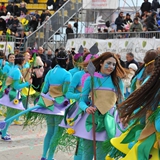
(55, 87)
(105, 92)
(26, 65)
(74, 70)
(7, 68)
(74, 92)
(12, 98)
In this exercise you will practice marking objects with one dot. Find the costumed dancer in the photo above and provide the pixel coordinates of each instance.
(2, 76)
(53, 103)
(12, 96)
(108, 89)
(118, 148)
(146, 143)
(74, 92)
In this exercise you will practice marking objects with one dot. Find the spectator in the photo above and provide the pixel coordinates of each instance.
(43, 16)
(49, 55)
(9, 7)
(15, 10)
(23, 8)
(13, 28)
(37, 15)
(146, 6)
(136, 26)
(130, 59)
(33, 24)
(128, 19)
(121, 62)
(47, 13)
(15, 20)
(68, 31)
(151, 22)
(47, 67)
(50, 4)
(155, 5)
(119, 21)
(41, 54)
(10, 21)
(2, 7)
(2, 25)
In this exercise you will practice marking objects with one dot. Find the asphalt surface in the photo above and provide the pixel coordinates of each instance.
(26, 144)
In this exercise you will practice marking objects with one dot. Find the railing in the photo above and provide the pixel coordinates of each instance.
(55, 23)
(117, 35)
(4, 38)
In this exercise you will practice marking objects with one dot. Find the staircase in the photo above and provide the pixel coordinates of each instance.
(45, 34)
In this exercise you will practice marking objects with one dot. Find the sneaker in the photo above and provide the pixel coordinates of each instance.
(17, 122)
(6, 138)
(43, 158)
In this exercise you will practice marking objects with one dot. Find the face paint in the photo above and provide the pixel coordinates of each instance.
(110, 65)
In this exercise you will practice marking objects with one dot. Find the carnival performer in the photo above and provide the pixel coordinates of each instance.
(108, 88)
(53, 103)
(27, 57)
(11, 97)
(8, 66)
(118, 148)
(2, 76)
(146, 142)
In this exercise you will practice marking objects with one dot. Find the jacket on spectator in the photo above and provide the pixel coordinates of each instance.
(136, 27)
(151, 23)
(2, 24)
(50, 2)
(155, 5)
(146, 6)
(68, 31)
(9, 8)
(43, 57)
(133, 61)
(15, 10)
(119, 22)
(33, 25)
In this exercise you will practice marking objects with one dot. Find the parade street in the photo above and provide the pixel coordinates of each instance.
(26, 144)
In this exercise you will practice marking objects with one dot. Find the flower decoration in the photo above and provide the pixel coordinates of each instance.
(70, 131)
(31, 60)
(77, 56)
(70, 121)
(90, 56)
(0, 83)
(16, 101)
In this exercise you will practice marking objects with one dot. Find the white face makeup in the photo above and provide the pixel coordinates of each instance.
(108, 66)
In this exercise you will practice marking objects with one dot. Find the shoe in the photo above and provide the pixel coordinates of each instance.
(43, 158)
(17, 122)
(6, 138)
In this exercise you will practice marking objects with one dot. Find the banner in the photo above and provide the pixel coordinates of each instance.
(100, 4)
(9, 47)
(138, 46)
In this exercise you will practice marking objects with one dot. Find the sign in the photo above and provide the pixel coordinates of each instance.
(100, 4)
(138, 46)
(9, 47)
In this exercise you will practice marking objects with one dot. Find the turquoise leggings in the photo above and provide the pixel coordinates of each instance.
(10, 112)
(88, 150)
(53, 134)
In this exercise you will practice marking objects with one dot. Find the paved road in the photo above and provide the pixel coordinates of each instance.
(26, 144)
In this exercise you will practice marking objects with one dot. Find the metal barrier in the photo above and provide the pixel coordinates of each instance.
(117, 35)
(55, 23)
(10, 38)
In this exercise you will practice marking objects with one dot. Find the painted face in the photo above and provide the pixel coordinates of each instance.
(108, 66)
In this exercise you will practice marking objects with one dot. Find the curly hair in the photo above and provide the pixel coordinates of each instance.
(147, 96)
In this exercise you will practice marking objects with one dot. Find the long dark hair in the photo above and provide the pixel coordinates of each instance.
(118, 72)
(147, 96)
